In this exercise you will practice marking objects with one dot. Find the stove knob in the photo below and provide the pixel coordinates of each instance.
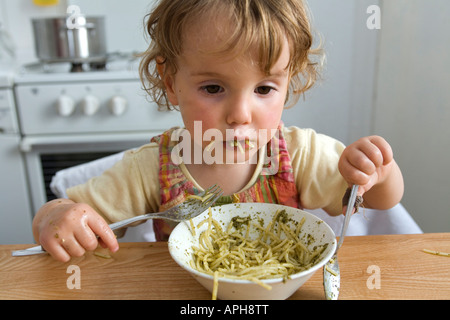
(117, 105)
(65, 106)
(90, 105)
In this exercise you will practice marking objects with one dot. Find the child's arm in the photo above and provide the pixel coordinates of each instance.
(65, 228)
(369, 162)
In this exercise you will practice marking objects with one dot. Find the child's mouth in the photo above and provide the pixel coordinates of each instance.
(241, 145)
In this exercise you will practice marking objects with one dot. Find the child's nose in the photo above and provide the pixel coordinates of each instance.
(239, 111)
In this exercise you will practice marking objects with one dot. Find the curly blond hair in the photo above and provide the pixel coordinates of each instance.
(260, 24)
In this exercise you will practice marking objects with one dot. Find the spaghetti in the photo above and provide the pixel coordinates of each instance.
(246, 250)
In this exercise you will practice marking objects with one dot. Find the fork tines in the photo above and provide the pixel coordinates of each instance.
(212, 189)
(217, 193)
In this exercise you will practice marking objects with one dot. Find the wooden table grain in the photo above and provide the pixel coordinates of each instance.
(372, 267)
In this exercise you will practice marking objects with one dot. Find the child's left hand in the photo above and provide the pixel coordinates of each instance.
(367, 162)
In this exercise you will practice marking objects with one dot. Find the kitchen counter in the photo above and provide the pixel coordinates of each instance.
(372, 267)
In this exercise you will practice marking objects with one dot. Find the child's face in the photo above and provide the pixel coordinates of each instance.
(227, 93)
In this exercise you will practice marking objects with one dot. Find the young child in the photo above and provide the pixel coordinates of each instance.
(230, 67)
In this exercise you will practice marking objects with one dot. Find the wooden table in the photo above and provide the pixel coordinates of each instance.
(394, 263)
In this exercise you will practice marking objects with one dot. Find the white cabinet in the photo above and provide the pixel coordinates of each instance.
(15, 209)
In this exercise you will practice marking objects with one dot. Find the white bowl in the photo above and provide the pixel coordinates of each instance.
(181, 241)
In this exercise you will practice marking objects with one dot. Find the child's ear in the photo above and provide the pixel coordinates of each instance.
(168, 81)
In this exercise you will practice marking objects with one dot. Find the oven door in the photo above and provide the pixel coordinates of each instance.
(46, 155)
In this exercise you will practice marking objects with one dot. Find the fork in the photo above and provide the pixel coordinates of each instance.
(192, 207)
(331, 271)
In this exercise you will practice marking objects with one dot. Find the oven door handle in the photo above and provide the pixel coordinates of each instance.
(28, 144)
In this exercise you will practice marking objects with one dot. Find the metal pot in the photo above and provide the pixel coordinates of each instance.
(80, 40)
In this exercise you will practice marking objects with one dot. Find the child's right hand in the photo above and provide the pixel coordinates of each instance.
(65, 229)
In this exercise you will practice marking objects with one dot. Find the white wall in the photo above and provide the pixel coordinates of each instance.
(124, 21)
(412, 105)
(16, 16)
(393, 82)
(340, 105)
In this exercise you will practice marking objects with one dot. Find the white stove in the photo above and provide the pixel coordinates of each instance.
(68, 118)
(108, 101)
(15, 212)
(8, 119)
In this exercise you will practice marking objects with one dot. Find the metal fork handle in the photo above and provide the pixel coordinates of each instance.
(114, 226)
(124, 223)
(348, 215)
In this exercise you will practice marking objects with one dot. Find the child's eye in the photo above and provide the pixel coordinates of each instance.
(212, 89)
(263, 90)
